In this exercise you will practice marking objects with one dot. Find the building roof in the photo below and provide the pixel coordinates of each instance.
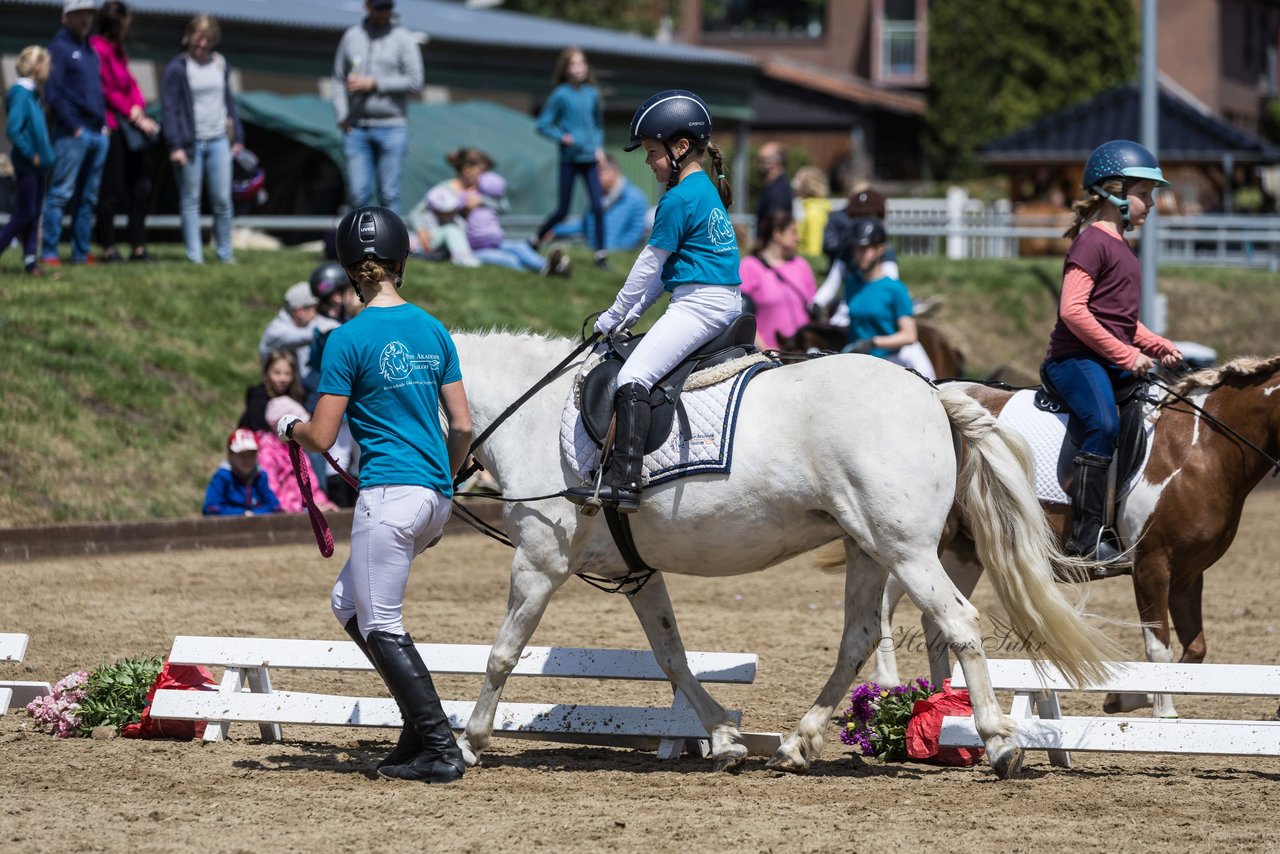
(1188, 132)
(441, 20)
(845, 87)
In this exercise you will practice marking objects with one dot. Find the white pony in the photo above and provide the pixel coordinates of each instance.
(883, 472)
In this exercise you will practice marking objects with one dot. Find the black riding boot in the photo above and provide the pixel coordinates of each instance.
(440, 759)
(1088, 509)
(408, 746)
(621, 487)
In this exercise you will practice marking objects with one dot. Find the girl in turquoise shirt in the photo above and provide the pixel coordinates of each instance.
(573, 117)
(692, 254)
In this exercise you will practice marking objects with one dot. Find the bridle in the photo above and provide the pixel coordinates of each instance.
(1212, 419)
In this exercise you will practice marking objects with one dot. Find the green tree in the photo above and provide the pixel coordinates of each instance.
(633, 16)
(997, 65)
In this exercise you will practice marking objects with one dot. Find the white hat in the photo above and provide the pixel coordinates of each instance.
(299, 296)
(69, 6)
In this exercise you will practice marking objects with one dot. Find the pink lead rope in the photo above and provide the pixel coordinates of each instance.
(324, 536)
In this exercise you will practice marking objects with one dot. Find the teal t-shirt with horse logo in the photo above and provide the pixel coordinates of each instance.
(692, 224)
(391, 363)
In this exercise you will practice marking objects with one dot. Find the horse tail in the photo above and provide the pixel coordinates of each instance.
(1017, 547)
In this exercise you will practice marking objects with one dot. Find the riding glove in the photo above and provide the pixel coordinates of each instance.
(284, 427)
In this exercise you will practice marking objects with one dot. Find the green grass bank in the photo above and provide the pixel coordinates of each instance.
(120, 383)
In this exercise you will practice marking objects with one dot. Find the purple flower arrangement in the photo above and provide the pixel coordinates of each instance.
(876, 720)
(57, 712)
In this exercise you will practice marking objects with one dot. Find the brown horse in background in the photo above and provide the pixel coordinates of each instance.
(947, 359)
(1179, 519)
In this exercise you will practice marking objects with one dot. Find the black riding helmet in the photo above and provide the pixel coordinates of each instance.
(666, 115)
(371, 232)
(867, 232)
(327, 279)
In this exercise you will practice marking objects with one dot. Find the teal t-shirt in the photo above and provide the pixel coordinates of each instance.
(692, 224)
(391, 363)
(874, 308)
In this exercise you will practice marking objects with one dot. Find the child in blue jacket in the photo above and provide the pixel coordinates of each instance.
(239, 487)
(32, 153)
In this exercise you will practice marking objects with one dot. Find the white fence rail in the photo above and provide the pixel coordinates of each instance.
(956, 227)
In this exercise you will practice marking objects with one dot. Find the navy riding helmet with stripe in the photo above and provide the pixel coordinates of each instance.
(1126, 160)
(670, 113)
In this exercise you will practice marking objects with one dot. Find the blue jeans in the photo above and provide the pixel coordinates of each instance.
(595, 196)
(513, 254)
(24, 222)
(73, 189)
(1087, 384)
(210, 165)
(379, 150)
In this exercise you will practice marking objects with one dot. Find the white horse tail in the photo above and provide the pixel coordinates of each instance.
(1017, 547)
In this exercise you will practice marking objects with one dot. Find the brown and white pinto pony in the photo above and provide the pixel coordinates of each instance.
(1180, 518)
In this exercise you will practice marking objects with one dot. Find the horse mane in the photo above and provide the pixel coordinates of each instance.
(1209, 378)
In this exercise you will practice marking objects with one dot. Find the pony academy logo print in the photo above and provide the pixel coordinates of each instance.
(719, 229)
(397, 363)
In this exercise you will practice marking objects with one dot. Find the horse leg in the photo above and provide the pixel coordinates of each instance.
(531, 590)
(957, 620)
(885, 671)
(964, 572)
(652, 605)
(1151, 591)
(1184, 607)
(864, 584)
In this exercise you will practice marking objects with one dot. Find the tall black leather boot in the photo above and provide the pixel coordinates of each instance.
(621, 487)
(1088, 509)
(408, 746)
(407, 677)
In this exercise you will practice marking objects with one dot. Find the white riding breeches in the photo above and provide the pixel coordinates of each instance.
(696, 314)
(392, 524)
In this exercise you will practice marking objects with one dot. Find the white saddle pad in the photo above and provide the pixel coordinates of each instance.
(710, 399)
(1044, 433)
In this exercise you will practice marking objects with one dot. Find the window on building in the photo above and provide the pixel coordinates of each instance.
(901, 41)
(785, 18)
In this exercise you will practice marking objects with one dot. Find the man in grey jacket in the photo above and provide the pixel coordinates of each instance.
(377, 68)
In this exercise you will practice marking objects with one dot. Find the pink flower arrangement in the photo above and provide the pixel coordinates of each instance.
(57, 712)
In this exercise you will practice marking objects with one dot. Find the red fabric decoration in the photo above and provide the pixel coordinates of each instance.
(179, 677)
(925, 727)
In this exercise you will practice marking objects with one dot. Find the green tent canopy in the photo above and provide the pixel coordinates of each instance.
(526, 159)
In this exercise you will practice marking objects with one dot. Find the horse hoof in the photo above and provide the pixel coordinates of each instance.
(732, 761)
(469, 756)
(789, 764)
(1008, 762)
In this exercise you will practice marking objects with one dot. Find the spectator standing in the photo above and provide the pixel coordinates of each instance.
(239, 487)
(128, 168)
(32, 153)
(625, 209)
(295, 327)
(775, 195)
(377, 68)
(812, 188)
(574, 118)
(779, 282)
(203, 133)
(74, 95)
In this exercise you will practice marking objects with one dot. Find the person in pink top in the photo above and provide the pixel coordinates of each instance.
(1098, 341)
(128, 170)
(778, 282)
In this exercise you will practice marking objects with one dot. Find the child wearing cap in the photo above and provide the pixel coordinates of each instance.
(295, 327)
(239, 487)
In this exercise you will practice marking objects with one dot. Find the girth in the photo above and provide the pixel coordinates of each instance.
(596, 404)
